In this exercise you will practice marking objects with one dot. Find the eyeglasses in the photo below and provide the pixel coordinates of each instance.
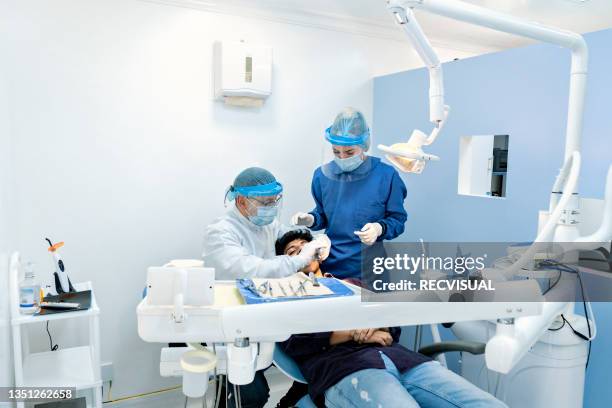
(268, 201)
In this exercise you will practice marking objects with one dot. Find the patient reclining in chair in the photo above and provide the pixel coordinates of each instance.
(369, 368)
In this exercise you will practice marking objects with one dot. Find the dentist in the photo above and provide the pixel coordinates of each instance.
(240, 244)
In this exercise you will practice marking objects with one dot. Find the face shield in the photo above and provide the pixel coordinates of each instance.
(344, 156)
(262, 203)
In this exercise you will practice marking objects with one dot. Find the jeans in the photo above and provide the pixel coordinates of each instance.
(428, 385)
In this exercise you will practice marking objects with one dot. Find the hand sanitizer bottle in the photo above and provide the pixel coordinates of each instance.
(29, 291)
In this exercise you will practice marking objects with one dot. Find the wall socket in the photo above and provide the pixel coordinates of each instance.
(107, 371)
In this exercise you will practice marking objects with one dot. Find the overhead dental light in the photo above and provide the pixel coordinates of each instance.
(409, 156)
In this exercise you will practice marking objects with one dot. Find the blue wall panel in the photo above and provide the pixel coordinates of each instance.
(523, 93)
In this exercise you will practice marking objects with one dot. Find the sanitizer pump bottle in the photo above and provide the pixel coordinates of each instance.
(29, 291)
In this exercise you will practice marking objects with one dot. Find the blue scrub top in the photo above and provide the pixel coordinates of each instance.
(345, 202)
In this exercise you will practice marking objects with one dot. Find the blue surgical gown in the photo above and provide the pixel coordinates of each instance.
(345, 202)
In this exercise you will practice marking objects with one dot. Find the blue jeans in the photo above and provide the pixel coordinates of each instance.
(428, 385)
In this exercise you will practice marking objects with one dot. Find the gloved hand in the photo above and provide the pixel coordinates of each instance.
(310, 249)
(323, 251)
(369, 233)
(302, 218)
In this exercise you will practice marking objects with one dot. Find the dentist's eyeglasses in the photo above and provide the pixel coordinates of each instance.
(268, 201)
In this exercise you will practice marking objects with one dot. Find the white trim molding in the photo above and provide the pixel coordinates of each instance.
(375, 28)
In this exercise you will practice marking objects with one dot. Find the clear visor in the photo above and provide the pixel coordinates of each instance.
(265, 208)
(263, 192)
(346, 138)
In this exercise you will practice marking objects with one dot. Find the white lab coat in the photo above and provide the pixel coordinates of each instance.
(237, 248)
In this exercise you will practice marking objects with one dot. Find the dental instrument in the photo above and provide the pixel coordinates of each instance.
(60, 276)
(263, 287)
(302, 288)
(318, 254)
(280, 285)
(313, 278)
(292, 289)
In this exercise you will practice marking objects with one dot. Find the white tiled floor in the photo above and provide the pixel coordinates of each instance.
(279, 384)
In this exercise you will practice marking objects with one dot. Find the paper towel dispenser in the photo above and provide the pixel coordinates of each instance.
(242, 73)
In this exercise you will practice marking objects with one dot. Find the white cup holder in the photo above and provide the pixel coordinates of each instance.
(196, 365)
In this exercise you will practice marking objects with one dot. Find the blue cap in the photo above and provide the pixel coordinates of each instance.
(349, 129)
(254, 182)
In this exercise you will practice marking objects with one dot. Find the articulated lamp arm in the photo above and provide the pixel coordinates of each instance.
(409, 157)
(515, 339)
(406, 19)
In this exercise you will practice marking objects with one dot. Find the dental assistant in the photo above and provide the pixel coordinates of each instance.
(240, 244)
(359, 199)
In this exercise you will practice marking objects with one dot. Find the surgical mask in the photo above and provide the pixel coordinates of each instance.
(350, 163)
(265, 215)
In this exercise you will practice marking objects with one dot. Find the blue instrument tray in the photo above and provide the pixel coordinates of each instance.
(337, 287)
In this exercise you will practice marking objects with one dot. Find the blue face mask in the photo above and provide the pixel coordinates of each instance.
(350, 163)
(265, 215)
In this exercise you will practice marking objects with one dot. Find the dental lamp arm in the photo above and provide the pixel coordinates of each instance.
(410, 157)
(512, 341)
(436, 130)
(469, 13)
(405, 18)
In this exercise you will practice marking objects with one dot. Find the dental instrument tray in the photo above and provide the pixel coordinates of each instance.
(255, 291)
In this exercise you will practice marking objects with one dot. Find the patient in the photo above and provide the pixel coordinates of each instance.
(369, 368)
(291, 244)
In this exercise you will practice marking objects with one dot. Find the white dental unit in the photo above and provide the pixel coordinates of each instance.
(510, 329)
(249, 331)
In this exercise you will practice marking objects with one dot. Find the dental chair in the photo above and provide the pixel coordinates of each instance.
(289, 367)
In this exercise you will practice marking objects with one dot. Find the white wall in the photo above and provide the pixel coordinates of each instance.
(120, 152)
(6, 210)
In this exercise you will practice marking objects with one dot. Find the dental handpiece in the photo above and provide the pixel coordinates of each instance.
(318, 255)
(280, 285)
(313, 279)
